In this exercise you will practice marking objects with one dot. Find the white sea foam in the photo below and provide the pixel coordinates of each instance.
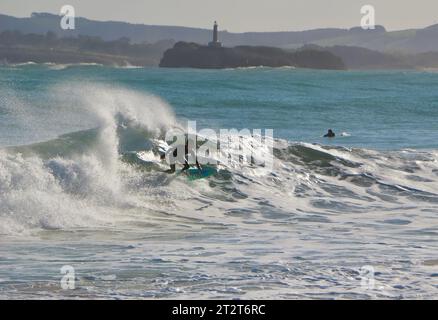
(313, 220)
(67, 193)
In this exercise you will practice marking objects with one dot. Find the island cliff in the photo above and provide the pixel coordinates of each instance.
(192, 55)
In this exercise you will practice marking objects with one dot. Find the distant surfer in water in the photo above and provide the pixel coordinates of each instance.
(329, 134)
(186, 156)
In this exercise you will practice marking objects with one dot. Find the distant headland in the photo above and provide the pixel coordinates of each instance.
(40, 39)
(215, 56)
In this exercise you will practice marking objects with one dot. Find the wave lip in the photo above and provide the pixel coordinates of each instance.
(78, 179)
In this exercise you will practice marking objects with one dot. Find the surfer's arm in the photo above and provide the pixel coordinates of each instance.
(198, 165)
(186, 166)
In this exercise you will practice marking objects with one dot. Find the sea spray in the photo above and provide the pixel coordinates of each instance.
(42, 189)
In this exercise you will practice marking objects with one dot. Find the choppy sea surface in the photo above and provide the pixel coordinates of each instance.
(81, 185)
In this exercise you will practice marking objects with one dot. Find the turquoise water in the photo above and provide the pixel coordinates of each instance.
(82, 184)
(379, 110)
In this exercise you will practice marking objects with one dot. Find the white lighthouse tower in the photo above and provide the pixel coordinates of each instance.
(215, 42)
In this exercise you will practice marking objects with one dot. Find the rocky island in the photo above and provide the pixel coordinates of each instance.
(215, 56)
(192, 55)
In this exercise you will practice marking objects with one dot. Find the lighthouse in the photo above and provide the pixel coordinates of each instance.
(215, 42)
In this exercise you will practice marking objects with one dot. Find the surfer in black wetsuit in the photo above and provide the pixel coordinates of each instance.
(186, 157)
(329, 134)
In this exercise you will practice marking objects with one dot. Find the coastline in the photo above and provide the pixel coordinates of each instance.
(59, 56)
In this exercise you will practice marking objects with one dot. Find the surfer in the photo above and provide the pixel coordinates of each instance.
(329, 134)
(186, 157)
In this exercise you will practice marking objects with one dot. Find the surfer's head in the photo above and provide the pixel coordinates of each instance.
(330, 133)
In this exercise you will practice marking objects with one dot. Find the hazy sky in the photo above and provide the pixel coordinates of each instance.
(241, 15)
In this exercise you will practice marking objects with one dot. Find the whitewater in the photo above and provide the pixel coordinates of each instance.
(81, 185)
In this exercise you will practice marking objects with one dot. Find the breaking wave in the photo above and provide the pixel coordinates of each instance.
(111, 175)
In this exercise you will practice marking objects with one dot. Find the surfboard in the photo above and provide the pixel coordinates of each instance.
(195, 173)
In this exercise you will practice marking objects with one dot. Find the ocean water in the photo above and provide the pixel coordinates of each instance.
(81, 185)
